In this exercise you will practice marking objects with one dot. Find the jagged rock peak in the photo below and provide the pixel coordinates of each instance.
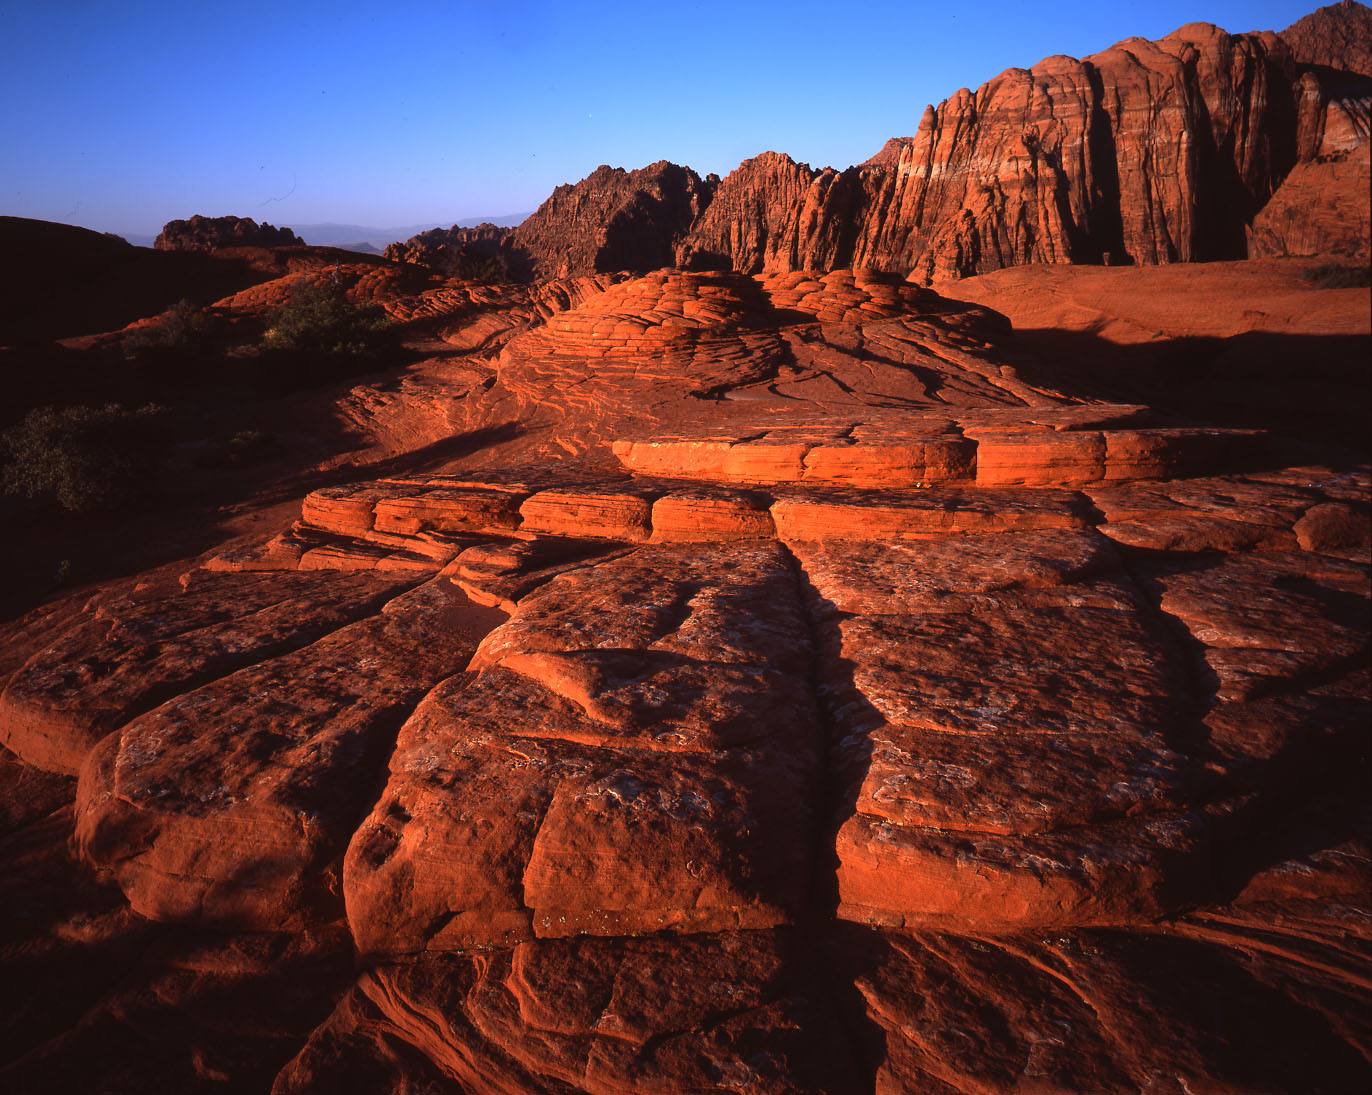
(483, 253)
(1070, 161)
(609, 221)
(614, 220)
(201, 233)
(890, 151)
(1338, 37)
(1148, 152)
(773, 214)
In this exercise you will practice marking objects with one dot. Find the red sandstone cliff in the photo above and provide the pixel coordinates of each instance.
(611, 220)
(1198, 147)
(1322, 206)
(1148, 152)
(1337, 37)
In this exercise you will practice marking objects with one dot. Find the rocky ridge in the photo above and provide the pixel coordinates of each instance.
(199, 233)
(1336, 37)
(1199, 147)
(611, 220)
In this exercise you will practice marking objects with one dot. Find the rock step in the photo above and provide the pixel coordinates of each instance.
(407, 524)
(988, 456)
(1004, 731)
(661, 773)
(424, 524)
(232, 803)
(131, 649)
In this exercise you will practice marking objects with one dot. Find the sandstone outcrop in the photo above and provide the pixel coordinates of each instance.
(1068, 161)
(236, 813)
(1321, 207)
(658, 778)
(486, 248)
(611, 220)
(1337, 37)
(137, 647)
(774, 214)
(1145, 153)
(200, 233)
(592, 1015)
(614, 220)
(1011, 753)
(728, 682)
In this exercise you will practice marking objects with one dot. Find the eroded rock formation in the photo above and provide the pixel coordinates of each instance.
(1149, 152)
(213, 233)
(1337, 37)
(1145, 153)
(454, 251)
(775, 679)
(814, 696)
(611, 220)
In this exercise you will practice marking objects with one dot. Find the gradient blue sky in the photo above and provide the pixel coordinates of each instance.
(121, 116)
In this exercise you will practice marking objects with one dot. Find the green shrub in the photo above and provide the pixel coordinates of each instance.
(184, 330)
(250, 446)
(244, 448)
(319, 337)
(319, 320)
(87, 458)
(486, 269)
(1332, 275)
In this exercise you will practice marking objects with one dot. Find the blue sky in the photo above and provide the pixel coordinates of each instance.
(121, 116)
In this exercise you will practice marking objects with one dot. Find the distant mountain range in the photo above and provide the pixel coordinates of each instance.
(360, 237)
(367, 238)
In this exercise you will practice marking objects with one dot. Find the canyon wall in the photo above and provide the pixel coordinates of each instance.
(1178, 150)
(611, 220)
(1149, 152)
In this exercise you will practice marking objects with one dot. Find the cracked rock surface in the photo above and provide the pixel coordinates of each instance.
(805, 701)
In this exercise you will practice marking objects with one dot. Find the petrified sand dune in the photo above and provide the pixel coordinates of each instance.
(756, 676)
(763, 741)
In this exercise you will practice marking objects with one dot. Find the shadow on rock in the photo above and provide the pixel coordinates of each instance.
(1307, 388)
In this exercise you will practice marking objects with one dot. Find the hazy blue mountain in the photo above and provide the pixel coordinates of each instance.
(361, 237)
(348, 235)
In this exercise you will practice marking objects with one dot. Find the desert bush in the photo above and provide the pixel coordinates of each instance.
(486, 269)
(319, 336)
(244, 448)
(250, 446)
(184, 330)
(1333, 275)
(320, 320)
(86, 458)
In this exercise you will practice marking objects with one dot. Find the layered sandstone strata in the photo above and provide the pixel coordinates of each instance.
(1007, 750)
(1145, 153)
(763, 684)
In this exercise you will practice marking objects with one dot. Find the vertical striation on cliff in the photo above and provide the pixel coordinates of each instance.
(1201, 146)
